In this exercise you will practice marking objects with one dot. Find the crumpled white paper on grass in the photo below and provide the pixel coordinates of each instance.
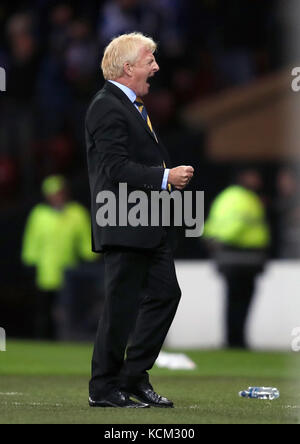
(175, 361)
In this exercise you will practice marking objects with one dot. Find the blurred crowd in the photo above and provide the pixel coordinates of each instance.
(51, 51)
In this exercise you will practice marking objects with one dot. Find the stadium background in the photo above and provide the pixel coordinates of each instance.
(221, 101)
(211, 53)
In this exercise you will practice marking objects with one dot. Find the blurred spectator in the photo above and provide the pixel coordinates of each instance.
(172, 32)
(81, 58)
(17, 126)
(287, 210)
(81, 65)
(57, 236)
(165, 20)
(20, 24)
(67, 78)
(54, 94)
(23, 59)
(60, 18)
(53, 97)
(239, 236)
(122, 16)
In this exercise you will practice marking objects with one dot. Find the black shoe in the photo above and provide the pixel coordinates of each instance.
(145, 393)
(116, 398)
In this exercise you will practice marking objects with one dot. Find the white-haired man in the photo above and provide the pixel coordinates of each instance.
(142, 292)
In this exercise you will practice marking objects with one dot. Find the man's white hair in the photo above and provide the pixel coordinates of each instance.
(124, 49)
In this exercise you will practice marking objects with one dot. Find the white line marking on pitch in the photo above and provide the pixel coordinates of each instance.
(31, 404)
(10, 394)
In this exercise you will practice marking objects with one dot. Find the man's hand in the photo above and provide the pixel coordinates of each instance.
(180, 176)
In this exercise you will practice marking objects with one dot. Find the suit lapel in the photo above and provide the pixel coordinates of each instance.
(129, 105)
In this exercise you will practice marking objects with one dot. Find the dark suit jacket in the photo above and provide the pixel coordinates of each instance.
(122, 149)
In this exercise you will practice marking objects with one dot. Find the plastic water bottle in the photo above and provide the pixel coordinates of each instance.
(268, 393)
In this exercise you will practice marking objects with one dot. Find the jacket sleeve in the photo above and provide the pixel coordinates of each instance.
(108, 128)
(30, 245)
(84, 245)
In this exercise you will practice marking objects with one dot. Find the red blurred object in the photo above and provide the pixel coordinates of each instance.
(60, 150)
(54, 154)
(8, 175)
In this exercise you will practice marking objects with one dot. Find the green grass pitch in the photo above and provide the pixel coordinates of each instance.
(48, 382)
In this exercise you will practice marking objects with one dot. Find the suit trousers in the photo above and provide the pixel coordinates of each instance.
(141, 298)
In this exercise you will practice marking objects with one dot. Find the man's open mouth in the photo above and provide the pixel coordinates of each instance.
(149, 79)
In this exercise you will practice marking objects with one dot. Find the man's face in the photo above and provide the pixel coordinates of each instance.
(58, 200)
(252, 180)
(144, 68)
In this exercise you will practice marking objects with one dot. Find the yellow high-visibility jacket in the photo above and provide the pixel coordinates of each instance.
(237, 218)
(55, 240)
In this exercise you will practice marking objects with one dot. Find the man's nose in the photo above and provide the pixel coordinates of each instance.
(156, 67)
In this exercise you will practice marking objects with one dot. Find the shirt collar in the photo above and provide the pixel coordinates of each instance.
(129, 93)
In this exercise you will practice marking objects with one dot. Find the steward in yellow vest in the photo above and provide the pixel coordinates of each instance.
(240, 237)
(57, 237)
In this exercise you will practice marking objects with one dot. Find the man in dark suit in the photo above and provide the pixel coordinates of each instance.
(142, 292)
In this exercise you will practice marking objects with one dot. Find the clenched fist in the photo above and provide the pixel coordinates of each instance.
(180, 176)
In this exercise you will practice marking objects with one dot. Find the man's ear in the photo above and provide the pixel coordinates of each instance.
(128, 69)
